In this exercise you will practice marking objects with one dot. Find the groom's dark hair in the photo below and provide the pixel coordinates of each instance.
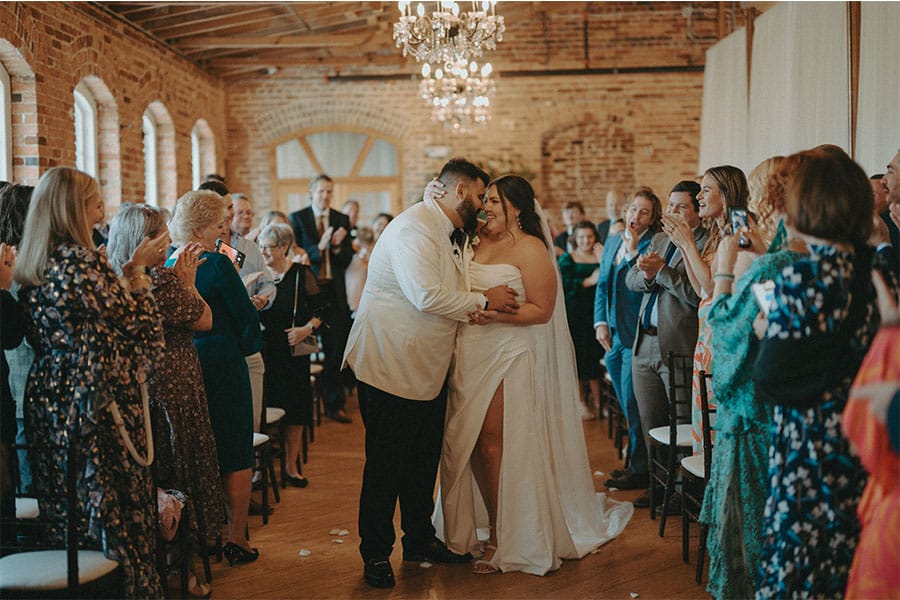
(460, 167)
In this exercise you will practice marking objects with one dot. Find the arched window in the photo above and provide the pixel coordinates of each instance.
(5, 126)
(160, 171)
(148, 128)
(85, 130)
(203, 152)
(364, 164)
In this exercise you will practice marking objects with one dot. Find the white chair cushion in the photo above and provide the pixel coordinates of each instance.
(27, 508)
(694, 465)
(661, 435)
(274, 414)
(47, 570)
(259, 439)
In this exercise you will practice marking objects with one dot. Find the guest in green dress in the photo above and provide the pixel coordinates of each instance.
(579, 271)
(200, 217)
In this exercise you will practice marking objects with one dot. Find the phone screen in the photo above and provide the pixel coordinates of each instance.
(236, 256)
(764, 292)
(738, 220)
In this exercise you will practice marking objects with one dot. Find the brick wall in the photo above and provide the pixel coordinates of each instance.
(576, 135)
(48, 48)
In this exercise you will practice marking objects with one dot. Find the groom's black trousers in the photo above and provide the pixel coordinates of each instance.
(403, 450)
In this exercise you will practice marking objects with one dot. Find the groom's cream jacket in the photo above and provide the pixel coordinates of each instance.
(416, 295)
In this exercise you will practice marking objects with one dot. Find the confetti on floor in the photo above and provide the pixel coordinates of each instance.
(337, 541)
(304, 552)
(334, 531)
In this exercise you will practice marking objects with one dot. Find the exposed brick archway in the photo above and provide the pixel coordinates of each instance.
(166, 165)
(584, 160)
(23, 107)
(109, 160)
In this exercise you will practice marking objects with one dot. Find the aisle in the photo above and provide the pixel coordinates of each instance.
(636, 562)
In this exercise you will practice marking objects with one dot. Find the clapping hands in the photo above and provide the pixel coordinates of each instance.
(186, 262)
(7, 264)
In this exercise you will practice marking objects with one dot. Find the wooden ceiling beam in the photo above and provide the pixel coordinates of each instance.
(275, 41)
(170, 27)
(186, 29)
(311, 61)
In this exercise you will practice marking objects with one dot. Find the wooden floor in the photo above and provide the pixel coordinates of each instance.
(637, 564)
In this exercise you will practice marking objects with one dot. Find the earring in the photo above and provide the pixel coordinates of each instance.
(519, 220)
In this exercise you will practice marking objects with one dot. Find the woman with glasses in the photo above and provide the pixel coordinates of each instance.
(288, 321)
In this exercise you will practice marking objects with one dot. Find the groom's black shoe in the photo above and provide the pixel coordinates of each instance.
(629, 481)
(436, 551)
(378, 573)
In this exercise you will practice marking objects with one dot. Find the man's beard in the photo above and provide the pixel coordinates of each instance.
(467, 212)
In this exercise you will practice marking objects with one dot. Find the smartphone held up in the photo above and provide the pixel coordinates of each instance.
(739, 220)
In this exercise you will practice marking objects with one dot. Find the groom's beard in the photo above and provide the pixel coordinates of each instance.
(467, 211)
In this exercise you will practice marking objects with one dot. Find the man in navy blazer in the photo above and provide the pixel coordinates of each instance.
(323, 233)
(615, 321)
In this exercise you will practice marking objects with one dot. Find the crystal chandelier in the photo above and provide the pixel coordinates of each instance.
(459, 97)
(444, 35)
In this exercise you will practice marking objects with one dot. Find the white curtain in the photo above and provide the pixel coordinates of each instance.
(799, 83)
(878, 118)
(723, 125)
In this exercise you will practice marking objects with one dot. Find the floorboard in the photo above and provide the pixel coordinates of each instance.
(637, 564)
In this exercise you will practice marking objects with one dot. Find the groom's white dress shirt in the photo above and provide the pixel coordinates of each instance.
(416, 294)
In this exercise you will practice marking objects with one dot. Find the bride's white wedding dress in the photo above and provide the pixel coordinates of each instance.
(548, 509)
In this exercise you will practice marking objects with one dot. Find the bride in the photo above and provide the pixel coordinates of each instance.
(514, 467)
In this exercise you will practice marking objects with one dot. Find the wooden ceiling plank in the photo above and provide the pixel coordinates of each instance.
(275, 41)
(312, 61)
(184, 30)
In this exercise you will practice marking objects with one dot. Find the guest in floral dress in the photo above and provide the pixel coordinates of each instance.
(185, 447)
(94, 338)
(820, 324)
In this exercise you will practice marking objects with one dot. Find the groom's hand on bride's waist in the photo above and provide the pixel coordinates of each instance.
(483, 317)
(501, 298)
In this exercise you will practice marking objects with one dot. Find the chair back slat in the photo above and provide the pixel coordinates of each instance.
(705, 412)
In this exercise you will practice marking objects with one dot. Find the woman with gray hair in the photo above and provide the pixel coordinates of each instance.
(182, 434)
(200, 218)
(289, 320)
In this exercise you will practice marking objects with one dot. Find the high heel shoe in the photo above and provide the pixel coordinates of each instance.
(237, 555)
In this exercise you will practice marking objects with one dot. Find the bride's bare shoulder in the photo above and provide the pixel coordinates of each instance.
(530, 249)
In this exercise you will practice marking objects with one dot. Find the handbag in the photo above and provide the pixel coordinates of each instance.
(310, 343)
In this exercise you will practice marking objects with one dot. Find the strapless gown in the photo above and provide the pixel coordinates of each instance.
(548, 508)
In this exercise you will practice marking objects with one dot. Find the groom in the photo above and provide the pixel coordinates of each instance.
(400, 348)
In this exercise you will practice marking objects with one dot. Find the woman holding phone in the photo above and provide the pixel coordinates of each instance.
(736, 492)
(199, 218)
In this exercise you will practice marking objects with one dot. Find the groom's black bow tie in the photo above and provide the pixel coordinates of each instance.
(458, 237)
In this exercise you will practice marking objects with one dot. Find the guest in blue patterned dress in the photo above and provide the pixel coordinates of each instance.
(820, 324)
(94, 337)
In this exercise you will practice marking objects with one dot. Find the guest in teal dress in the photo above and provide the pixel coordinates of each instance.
(200, 217)
(737, 490)
(579, 271)
(736, 493)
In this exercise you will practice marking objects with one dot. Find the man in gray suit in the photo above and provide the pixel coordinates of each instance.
(668, 315)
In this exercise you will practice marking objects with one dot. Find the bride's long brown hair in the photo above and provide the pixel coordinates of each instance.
(518, 192)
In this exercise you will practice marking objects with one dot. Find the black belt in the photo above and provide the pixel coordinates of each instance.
(650, 330)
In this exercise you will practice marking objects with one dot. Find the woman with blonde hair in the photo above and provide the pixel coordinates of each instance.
(182, 434)
(199, 218)
(95, 338)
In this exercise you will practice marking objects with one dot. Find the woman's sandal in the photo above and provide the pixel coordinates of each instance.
(484, 566)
